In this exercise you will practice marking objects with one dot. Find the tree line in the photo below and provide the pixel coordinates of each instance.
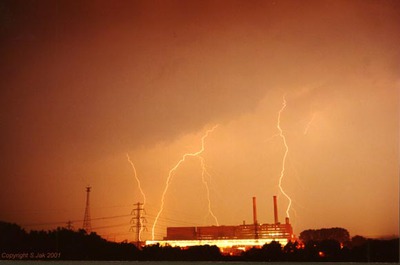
(333, 244)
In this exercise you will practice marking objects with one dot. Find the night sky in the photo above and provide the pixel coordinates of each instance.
(84, 83)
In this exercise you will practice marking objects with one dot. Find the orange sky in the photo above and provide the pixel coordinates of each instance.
(84, 83)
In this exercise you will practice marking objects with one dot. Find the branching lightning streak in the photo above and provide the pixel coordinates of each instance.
(309, 124)
(284, 156)
(272, 137)
(141, 191)
(203, 173)
(137, 179)
(171, 174)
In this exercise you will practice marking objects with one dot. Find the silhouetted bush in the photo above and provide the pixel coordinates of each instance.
(291, 252)
(204, 253)
(372, 250)
(272, 251)
(12, 237)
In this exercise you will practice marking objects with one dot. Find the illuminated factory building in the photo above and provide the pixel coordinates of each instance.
(228, 238)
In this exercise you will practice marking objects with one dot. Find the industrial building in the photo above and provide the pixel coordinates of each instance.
(230, 238)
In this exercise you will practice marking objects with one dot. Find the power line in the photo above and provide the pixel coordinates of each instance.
(80, 220)
(109, 226)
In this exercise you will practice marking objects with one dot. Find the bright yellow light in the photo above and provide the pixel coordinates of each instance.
(220, 243)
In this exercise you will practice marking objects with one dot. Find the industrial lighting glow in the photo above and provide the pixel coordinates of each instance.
(239, 243)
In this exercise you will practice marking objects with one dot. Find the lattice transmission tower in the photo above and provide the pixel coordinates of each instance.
(137, 222)
(86, 220)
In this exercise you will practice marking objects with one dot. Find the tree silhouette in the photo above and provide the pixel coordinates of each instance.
(339, 234)
(291, 251)
(78, 245)
(272, 251)
(12, 237)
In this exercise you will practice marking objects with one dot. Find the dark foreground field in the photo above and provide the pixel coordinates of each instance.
(64, 244)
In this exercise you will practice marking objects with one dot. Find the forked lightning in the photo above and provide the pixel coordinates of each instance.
(284, 156)
(171, 174)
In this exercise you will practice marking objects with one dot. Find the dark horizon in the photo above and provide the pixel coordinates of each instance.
(65, 244)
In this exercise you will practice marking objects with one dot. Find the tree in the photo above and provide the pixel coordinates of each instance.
(12, 237)
(272, 251)
(341, 235)
(291, 251)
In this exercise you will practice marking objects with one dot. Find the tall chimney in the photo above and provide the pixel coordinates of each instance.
(255, 218)
(275, 210)
(254, 211)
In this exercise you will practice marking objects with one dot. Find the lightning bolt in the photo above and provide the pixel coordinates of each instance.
(141, 192)
(309, 124)
(171, 174)
(284, 156)
(204, 172)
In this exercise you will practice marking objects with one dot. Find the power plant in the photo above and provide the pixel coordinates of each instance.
(230, 238)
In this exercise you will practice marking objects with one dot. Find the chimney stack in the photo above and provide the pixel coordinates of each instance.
(275, 210)
(254, 211)
(255, 218)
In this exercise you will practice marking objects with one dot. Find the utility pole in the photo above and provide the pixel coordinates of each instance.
(87, 220)
(137, 222)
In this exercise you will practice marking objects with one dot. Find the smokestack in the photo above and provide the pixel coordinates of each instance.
(275, 210)
(255, 218)
(254, 211)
